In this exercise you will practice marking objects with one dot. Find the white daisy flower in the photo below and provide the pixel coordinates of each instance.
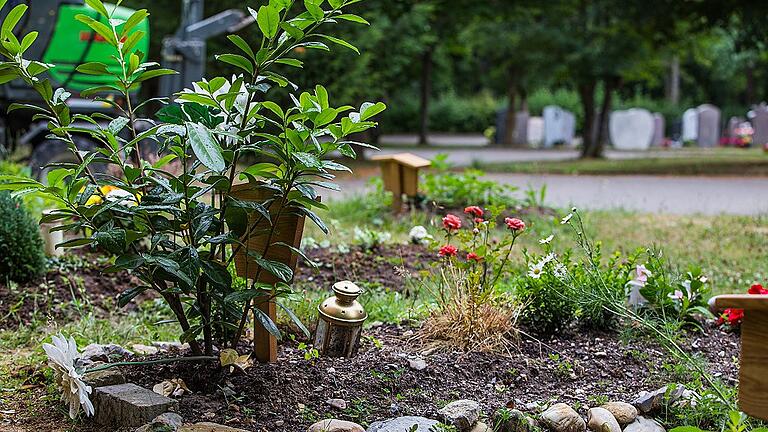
(535, 270)
(566, 219)
(560, 271)
(63, 358)
(547, 259)
(547, 240)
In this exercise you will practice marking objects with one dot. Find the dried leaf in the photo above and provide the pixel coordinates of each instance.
(173, 387)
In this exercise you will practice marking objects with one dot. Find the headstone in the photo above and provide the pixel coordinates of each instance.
(535, 131)
(520, 136)
(690, 125)
(569, 127)
(709, 125)
(732, 125)
(128, 405)
(759, 120)
(658, 130)
(406, 423)
(559, 126)
(631, 129)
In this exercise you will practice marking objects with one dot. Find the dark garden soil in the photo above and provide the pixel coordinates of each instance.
(577, 368)
(374, 266)
(67, 288)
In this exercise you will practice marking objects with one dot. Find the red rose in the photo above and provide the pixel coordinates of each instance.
(474, 211)
(733, 316)
(514, 224)
(757, 289)
(451, 222)
(474, 257)
(448, 250)
(479, 220)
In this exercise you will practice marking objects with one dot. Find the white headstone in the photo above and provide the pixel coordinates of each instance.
(559, 126)
(631, 129)
(535, 131)
(658, 130)
(709, 125)
(690, 125)
(759, 120)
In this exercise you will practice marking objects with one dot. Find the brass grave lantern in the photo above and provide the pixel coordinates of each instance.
(340, 322)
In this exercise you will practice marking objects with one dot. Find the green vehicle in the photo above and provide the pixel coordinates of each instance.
(68, 43)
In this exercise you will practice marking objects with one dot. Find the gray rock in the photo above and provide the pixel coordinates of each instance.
(562, 418)
(506, 420)
(417, 363)
(647, 402)
(643, 424)
(128, 405)
(209, 427)
(401, 424)
(170, 346)
(333, 425)
(463, 414)
(142, 349)
(481, 427)
(166, 422)
(601, 420)
(339, 404)
(623, 412)
(105, 377)
(103, 353)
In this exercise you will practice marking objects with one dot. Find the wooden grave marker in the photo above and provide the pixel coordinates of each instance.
(401, 175)
(753, 372)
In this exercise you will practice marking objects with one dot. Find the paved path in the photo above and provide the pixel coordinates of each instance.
(652, 194)
(466, 156)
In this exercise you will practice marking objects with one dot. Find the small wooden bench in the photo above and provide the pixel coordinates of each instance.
(753, 372)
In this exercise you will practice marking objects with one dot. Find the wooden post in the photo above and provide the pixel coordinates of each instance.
(288, 229)
(753, 371)
(401, 175)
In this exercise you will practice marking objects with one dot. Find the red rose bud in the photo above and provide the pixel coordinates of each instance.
(514, 224)
(474, 211)
(757, 289)
(448, 250)
(451, 222)
(474, 257)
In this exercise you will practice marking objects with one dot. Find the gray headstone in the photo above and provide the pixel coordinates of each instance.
(760, 124)
(631, 129)
(658, 130)
(402, 424)
(535, 131)
(732, 125)
(690, 125)
(128, 405)
(559, 126)
(521, 128)
(709, 125)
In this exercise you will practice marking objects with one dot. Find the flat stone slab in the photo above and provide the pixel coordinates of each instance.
(401, 424)
(106, 377)
(129, 405)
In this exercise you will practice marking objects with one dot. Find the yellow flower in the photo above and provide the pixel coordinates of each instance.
(113, 193)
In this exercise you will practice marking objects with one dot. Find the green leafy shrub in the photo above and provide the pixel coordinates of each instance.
(548, 304)
(448, 113)
(21, 248)
(459, 189)
(179, 232)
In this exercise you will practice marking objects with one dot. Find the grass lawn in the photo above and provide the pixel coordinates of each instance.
(691, 162)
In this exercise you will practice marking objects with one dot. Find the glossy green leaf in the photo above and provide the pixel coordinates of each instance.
(205, 146)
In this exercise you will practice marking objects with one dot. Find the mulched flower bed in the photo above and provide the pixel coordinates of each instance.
(66, 288)
(376, 266)
(292, 393)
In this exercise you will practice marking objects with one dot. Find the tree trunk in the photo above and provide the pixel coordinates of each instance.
(673, 81)
(509, 119)
(426, 90)
(587, 96)
(609, 85)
